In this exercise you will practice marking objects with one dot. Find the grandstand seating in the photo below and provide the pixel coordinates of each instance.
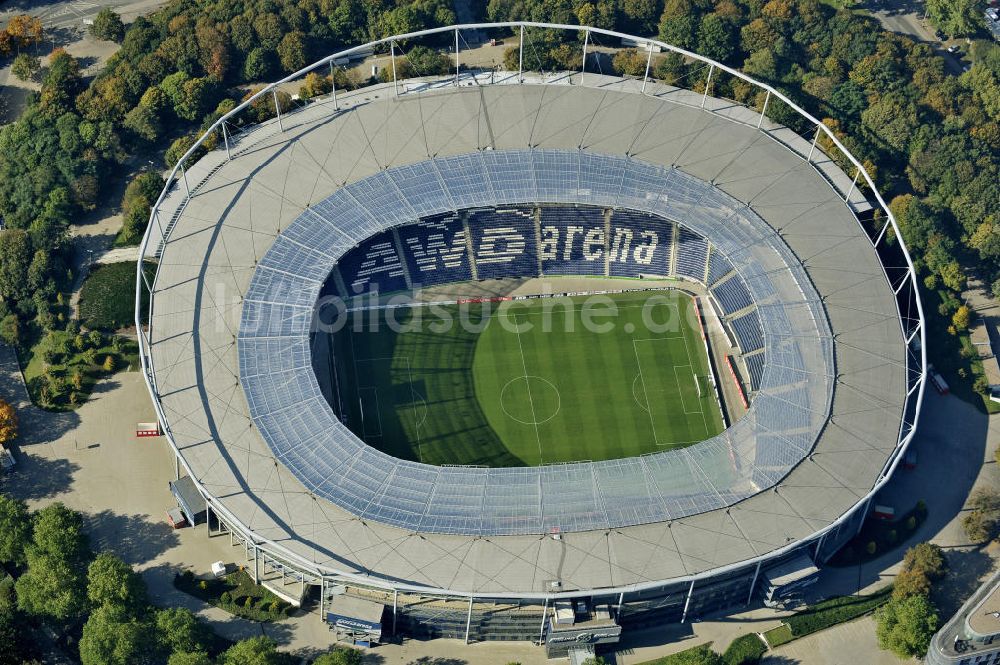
(639, 244)
(755, 367)
(718, 267)
(732, 295)
(435, 250)
(572, 240)
(748, 331)
(692, 253)
(505, 242)
(373, 265)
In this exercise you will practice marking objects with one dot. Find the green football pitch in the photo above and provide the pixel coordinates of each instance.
(529, 382)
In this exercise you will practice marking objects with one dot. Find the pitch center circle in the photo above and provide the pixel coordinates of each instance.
(530, 400)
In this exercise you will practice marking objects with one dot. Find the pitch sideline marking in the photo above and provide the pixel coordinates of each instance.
(704, 418)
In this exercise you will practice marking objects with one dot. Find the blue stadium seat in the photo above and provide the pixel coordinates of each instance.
(732, 295)
(755, 366)
(718, 267)
(639, 244)
(748, 331)
(373, 265)
(504, 242)
(435, 250)
(572, 240)
(692, 253)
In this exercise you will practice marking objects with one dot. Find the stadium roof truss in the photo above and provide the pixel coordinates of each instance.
(246, 236)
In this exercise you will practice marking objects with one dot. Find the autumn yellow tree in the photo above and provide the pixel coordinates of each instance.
(8, 422)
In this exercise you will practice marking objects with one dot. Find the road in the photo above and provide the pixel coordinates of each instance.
(71, 15)
(908, 22)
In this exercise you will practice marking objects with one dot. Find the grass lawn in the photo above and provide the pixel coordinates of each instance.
(107, 299)
(528, 382)
(73, 364)
(237, 594)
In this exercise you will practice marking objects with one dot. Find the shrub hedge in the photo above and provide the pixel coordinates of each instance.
(744, 650)
(237, 594)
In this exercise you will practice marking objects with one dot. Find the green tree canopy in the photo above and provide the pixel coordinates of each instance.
(15, 257)
(340, 656)
(25, 66)
(189, 658)
(905, 626)
(108, 26)
(112, 637)
(111, 581)
(180, 631)
(254, 651)
(15, 530)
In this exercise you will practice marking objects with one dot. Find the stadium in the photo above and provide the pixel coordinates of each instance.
(504, 482)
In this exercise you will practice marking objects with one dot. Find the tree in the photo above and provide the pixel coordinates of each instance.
(195, 98)
(956, 18)
(52, 587)
(180, 631)
(112, 637)
(61, 81)
(716, 38)
(905, 625)
(910, 583)
(980, 523)
(189, 658)
(25, 66)
(58, 531)
(8, 422)
(679, 23)
(629, 62)
(340, 656)
(254, 651)
(925, 558)
(15, 257)
(293, 51)
(315, 85)
(24, 30)
(960, 319)
(108, 26)
(10, 330)
(111, 581)
(15, 530)
(978, 527)
(109, 364)
(641, 15)
(259, 65)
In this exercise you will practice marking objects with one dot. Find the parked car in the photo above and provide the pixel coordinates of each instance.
(7, 461)
(954, 48)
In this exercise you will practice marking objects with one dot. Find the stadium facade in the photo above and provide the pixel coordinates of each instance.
(446, 178)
